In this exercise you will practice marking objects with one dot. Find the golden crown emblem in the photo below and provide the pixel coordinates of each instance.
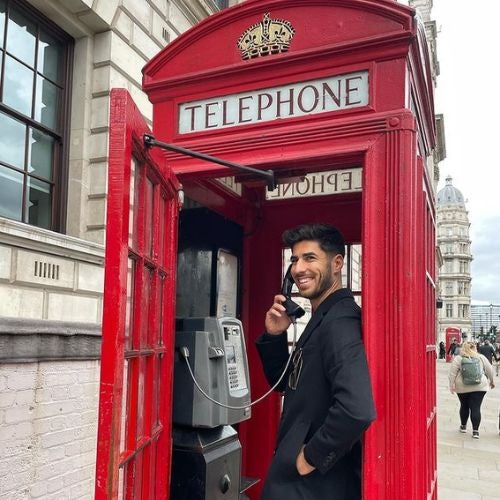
(270, 36)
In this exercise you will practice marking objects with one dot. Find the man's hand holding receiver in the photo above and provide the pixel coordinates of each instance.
(277, 321)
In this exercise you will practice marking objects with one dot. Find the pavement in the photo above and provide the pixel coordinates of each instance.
(468, 469)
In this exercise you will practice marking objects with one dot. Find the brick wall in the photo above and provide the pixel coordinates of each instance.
(48, 429)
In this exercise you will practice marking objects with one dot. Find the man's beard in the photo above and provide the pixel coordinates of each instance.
(326, 282)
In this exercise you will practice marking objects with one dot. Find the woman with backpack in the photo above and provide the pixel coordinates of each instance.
(471, 376)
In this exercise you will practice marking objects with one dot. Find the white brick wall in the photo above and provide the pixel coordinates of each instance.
(48, 430)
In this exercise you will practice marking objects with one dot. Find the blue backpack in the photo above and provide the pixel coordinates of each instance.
(472, 370)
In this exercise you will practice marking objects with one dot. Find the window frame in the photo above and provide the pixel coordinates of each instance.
(60, 133)
(449, 310)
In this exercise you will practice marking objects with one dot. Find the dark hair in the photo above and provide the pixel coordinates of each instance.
(329, 238)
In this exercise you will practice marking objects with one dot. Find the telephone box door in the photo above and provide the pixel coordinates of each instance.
(134, 436)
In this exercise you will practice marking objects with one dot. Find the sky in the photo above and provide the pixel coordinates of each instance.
(467, 96)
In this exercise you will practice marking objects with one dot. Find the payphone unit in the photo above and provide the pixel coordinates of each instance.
(213, 350)
(211, 392)
(211, 380)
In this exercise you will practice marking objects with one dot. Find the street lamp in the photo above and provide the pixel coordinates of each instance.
(491, 316)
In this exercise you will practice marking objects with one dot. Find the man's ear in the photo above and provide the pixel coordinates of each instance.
(337, 263)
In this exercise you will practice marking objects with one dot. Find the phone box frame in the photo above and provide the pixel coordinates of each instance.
(391, 138)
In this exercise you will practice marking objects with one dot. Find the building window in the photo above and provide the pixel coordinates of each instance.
(464, 266)
(449, 288)
(463, 288)
(222, 4)
(449, 310)
(34, 86)
(463, 310)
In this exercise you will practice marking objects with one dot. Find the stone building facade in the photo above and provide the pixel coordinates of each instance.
(455, 274)
(424, 10)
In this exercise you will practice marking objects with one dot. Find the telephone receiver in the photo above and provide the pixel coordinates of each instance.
(293, 310)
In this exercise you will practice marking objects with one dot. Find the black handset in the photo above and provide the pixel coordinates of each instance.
(293, 310)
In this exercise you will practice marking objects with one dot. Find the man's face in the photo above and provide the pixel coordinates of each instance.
(316, 273)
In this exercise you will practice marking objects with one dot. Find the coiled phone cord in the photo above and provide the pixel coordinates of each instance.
(185, 354)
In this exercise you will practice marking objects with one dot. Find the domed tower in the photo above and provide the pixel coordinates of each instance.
(454, 278)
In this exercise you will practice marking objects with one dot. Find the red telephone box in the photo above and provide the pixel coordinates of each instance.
(452, 334)
(335, 97)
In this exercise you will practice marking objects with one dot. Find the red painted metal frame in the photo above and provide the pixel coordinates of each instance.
(429, 317)
(393, 219)
(134, 436)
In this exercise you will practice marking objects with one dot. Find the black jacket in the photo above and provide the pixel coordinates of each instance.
(487, 350)
(330, 408)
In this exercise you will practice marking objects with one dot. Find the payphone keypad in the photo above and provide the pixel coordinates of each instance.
(233, 340)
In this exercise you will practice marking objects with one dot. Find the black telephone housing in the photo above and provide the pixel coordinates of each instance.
(293, 310)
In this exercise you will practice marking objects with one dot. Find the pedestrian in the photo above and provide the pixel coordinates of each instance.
(496, 357)
(487, 350)
(453, 346)
(328, 402)
(469, 393)
(442, 350)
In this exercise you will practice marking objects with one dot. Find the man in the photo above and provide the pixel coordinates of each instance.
(453, 347)
(328, 401)
(496, 357)
(442, 350)
(487, 350)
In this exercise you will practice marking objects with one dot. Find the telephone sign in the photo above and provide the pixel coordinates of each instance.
(287, 101)
(319, 183)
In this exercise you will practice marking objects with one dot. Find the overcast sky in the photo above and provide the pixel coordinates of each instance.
(467, 95)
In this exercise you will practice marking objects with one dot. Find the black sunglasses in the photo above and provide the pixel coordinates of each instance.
(297, 361)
